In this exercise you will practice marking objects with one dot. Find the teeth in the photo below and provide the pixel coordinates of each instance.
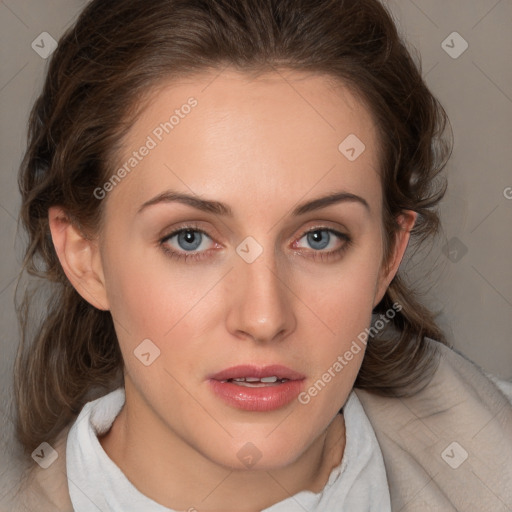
(265, 380)
(255, 379)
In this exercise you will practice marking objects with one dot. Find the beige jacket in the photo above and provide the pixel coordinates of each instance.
(448, 448)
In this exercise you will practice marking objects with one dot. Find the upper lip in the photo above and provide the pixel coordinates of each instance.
(247, 370)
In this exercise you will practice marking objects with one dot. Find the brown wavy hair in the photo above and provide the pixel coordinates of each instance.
(105, 64)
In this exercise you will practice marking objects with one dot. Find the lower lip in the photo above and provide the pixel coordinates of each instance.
(260, 399)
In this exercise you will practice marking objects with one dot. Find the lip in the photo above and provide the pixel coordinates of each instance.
(257, 399)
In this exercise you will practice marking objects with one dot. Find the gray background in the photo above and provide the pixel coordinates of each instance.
(466, 274)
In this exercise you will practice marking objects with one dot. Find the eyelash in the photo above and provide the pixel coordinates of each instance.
(198, 256)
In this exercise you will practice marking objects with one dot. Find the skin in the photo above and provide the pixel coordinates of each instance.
(261, 146)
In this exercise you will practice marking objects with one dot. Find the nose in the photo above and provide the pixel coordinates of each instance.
(261, 302)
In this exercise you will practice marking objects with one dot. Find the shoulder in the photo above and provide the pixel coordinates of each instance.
(504, 386)
(43, 489)
(438, 442)
(456, 380)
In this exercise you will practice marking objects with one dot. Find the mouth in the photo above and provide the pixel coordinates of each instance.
(255, 382)
(255, 388)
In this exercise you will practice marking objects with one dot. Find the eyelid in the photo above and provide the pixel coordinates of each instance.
(183, 226)
(197, 226)
(323, 226)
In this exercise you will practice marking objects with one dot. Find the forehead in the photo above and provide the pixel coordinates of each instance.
(224, 135)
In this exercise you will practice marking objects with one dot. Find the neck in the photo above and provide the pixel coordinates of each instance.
(165, 468)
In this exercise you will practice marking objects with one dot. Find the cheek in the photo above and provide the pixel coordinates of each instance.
(343, 303)
(343, 296)
(148, 294)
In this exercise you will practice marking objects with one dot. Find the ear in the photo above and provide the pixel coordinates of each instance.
(406, 220)
(79, 257)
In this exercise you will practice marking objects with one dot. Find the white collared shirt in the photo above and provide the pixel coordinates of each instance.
(358, 484)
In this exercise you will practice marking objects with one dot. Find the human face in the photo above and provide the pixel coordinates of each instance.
(208, 299)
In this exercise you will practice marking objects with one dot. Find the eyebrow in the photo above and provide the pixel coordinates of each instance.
(219, 208)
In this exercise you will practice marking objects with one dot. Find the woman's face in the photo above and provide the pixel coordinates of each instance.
(266, 272)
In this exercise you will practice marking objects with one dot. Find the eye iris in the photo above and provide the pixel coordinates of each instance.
(189, 240)
(319, 239)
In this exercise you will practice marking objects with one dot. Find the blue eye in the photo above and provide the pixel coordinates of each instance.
(318, 239)
(323, 238)
(189, 240)
(191, 244)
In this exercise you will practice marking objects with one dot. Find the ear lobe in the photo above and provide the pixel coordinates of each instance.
(406, 219)
(79, 257)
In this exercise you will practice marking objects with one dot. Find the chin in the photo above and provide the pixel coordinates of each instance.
(260, 454)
